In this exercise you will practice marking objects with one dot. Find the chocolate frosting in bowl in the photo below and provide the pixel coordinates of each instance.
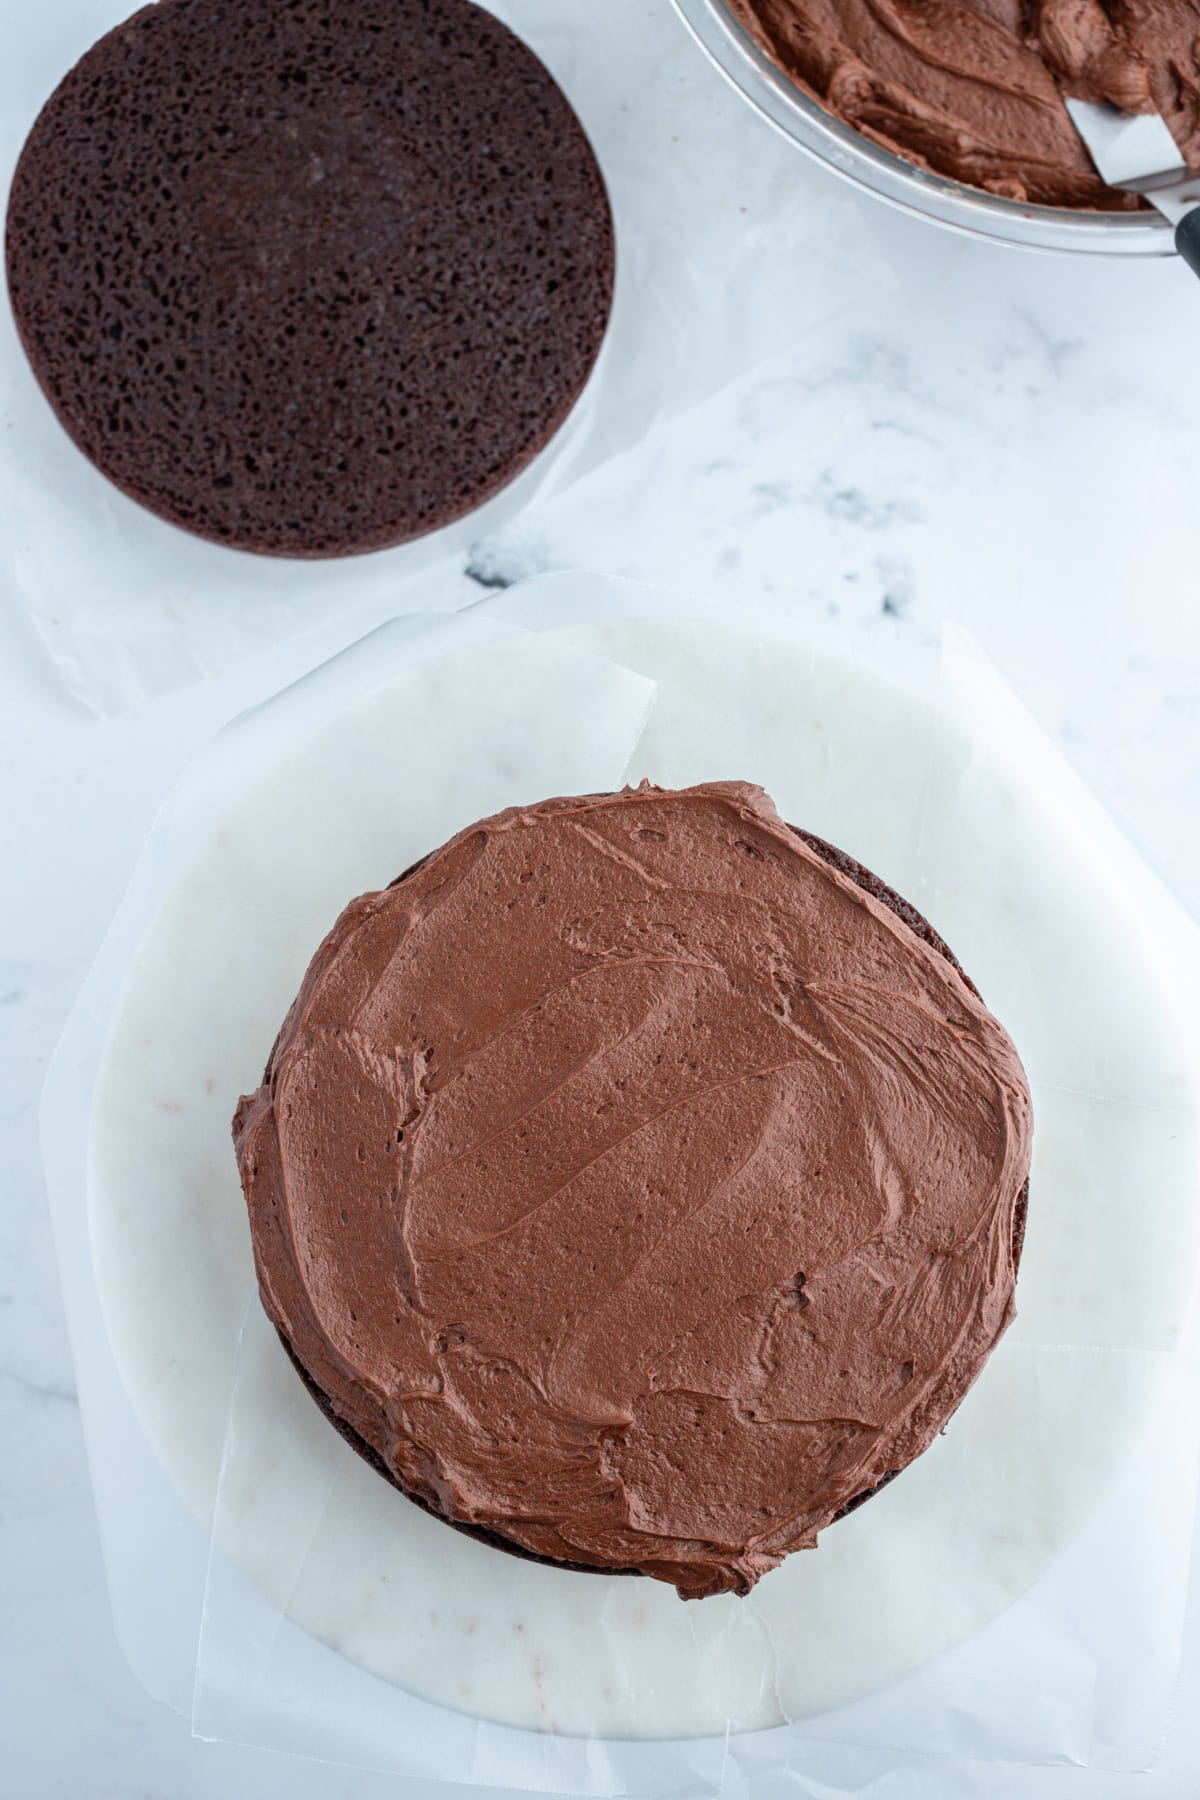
(636, 1185)
(974, 89)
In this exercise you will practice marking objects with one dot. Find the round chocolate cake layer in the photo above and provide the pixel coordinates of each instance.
(310, 278)
(546, 1137)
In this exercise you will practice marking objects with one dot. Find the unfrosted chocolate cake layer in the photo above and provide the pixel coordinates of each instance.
(310, 278)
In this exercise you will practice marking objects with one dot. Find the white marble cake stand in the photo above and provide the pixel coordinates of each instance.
(1044, 910)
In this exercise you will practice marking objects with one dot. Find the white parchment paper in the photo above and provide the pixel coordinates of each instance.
(341, 1622)
(716, 233)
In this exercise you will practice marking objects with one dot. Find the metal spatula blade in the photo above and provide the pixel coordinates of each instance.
(1137, 152)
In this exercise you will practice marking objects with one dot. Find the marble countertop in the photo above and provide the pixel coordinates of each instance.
(1002, 439)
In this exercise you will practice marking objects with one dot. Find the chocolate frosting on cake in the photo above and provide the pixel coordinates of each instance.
(637, 1186)
(974, 89)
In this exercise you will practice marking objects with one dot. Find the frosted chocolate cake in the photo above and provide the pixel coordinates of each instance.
(638, 1183)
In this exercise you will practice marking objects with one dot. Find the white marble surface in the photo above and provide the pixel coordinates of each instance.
(1011, 441)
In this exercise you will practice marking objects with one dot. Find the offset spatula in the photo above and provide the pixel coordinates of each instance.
(1138, 152)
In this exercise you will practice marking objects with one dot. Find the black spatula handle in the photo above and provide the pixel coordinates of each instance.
(1187, 239)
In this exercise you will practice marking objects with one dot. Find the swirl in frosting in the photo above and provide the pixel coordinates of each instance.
(636, 1184)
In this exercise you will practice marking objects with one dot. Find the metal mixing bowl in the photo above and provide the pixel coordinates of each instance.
(901, 183)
